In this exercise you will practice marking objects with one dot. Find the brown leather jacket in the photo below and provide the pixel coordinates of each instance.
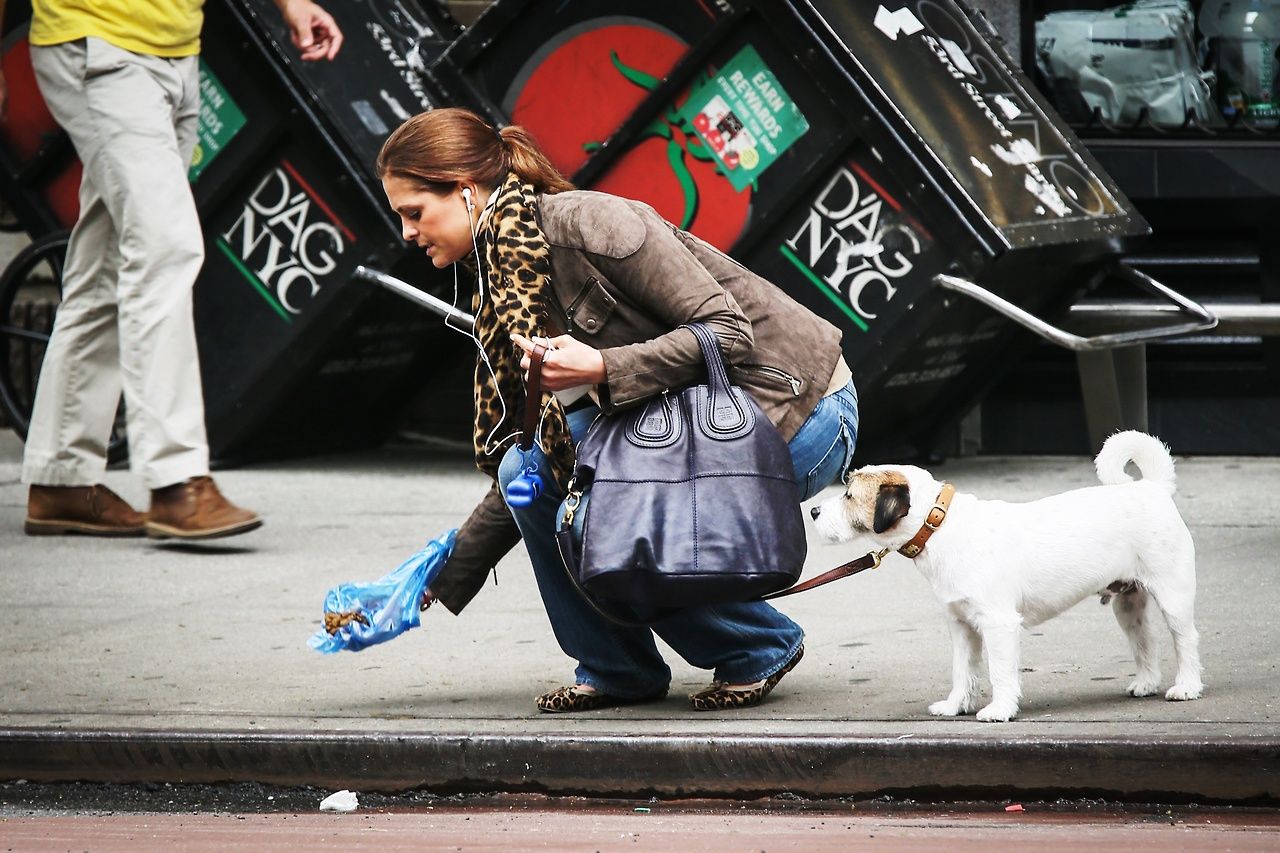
(625, 280)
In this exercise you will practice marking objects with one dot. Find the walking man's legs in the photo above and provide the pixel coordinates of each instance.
(128, 319)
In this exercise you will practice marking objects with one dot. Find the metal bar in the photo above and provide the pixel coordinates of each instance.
(1240, 260)
(452, 316)
(1203, 319)
(1113, 384)
(1233, 318)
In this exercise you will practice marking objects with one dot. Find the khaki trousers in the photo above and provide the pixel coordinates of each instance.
(125, 320)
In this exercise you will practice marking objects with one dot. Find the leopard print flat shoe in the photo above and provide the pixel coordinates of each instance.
(567, 700)
(721, 697)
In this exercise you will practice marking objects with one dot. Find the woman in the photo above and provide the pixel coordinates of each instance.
(609, 282)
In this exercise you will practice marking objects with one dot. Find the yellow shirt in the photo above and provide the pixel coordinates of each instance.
(157, 27)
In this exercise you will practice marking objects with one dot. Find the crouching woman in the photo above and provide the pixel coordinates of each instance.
(610, 284)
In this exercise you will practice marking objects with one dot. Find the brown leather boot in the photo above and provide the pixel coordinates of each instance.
(196, 510)
(88, 510)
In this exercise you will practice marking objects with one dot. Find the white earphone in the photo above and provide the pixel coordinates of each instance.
(492, 443)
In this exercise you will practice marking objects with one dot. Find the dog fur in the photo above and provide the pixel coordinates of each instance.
(997, 566)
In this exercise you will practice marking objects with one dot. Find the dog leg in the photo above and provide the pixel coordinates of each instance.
(1178, 606)
(1136, 612)
(1000, 637)
(966, 657)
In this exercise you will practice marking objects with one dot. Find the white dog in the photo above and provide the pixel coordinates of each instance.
(998, 566)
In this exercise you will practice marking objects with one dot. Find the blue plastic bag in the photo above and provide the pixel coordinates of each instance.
(372, 613)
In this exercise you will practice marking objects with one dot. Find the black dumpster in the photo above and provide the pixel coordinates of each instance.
(296, 355)
(874, 162)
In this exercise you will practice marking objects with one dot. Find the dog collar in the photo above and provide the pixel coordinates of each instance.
(932, 521)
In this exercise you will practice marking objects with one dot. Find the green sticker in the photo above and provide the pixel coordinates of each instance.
(220, 119)
(745, 117)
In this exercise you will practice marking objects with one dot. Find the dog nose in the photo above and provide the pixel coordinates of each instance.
(815, 512)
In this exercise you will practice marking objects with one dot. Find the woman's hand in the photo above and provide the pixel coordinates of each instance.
(568, 362)
(427, 600)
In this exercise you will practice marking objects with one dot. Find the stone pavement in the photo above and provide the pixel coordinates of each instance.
(128, 660)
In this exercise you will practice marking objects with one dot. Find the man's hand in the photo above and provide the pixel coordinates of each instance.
(313, 30)
(568, 362)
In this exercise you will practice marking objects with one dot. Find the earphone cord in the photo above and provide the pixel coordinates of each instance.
(490, 445)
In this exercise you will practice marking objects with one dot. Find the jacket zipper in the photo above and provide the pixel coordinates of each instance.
(579, 299)
(781, 374)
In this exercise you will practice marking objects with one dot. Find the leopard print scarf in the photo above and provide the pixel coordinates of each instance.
(518, 262)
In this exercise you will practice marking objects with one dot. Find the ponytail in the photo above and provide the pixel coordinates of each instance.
(442, 147)
(526, 159)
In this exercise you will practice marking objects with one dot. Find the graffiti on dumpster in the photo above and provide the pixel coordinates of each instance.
(285, 241)
(1002, 110)
(855, 244)
(400, 34)
(961, 98)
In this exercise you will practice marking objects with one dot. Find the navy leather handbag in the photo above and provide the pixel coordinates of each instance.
(689, 498)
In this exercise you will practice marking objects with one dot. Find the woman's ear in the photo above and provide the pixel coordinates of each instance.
(892, 503)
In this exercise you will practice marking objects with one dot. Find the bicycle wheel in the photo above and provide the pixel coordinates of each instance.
(30, 290)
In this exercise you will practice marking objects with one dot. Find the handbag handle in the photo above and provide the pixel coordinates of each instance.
(726, 416)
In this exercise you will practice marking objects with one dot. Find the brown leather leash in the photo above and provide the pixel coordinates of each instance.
(870, 560)
(533, 397)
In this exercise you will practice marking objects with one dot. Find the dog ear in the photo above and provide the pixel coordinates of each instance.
(893, 503)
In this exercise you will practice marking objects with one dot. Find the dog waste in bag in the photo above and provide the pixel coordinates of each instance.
(358, 615)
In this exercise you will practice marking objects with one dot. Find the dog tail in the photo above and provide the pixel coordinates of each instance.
(1147, 452)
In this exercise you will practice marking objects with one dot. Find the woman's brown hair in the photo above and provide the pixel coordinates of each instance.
(441, 147)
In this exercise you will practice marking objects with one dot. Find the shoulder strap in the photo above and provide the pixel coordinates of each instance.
(533, 397)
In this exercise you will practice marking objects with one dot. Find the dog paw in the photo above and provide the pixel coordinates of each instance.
(945, 708)
(997, 713)
(1143, 687)
(1184, 692)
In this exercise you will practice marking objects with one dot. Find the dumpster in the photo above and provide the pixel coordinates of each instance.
(886, 165)
(297, 356)
(39, 172)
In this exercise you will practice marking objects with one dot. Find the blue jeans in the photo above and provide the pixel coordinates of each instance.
(742, 643)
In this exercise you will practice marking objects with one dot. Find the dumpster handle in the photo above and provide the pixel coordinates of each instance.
(1203, 318)
(452, 316)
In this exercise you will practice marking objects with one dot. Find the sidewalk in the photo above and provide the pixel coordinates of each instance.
(126, 660)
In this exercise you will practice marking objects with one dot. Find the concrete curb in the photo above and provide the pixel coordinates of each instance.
(1165, 770)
